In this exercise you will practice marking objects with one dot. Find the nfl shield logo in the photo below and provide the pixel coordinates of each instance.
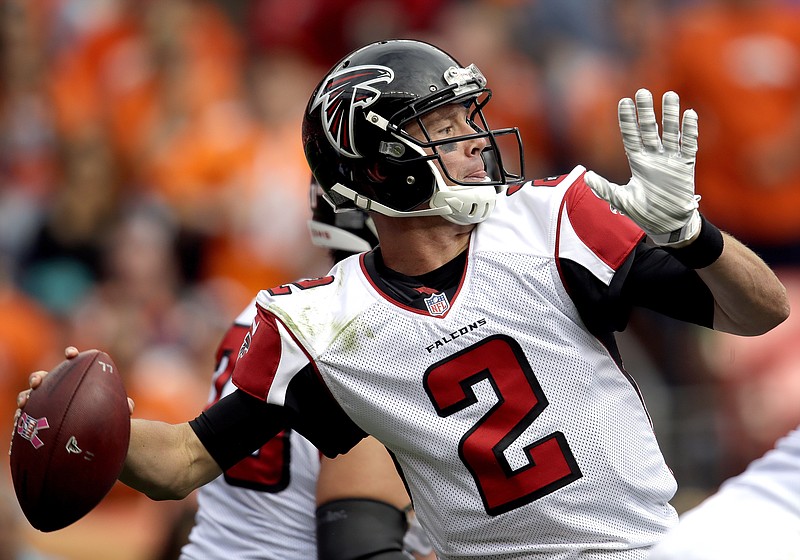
(28, 427)
(437, 304)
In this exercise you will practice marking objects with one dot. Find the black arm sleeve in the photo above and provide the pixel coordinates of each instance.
(237, 425)
(650, 278)
(660, 282)
(314, 413)
(360, 529)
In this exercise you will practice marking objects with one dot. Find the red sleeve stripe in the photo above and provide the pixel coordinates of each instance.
(610, 235)
(271, 357)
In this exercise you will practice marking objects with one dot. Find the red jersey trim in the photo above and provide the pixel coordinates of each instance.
(228, 350)
(262, 349)
(610, 236)
(257, 381)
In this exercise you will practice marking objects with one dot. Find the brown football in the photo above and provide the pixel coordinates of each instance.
(70, 442)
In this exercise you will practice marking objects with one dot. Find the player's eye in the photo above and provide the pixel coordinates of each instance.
(444, 132)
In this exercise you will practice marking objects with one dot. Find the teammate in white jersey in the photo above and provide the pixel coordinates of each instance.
(755, 514)
(476, 342)
(276, 488)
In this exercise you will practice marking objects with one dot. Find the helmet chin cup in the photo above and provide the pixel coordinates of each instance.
(468, 204)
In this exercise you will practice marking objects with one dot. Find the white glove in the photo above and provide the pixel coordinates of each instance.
(660, 195)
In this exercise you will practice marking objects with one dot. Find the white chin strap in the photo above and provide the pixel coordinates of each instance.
(459, 204)
(468, 204)
(462, 204)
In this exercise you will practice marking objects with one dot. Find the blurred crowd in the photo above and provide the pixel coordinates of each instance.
(152, 180)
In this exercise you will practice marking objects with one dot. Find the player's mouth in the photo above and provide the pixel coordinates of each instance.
(477, 177)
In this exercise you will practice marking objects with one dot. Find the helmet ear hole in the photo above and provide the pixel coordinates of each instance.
(376, 173)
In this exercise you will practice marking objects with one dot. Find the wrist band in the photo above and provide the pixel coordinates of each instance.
(704, 250)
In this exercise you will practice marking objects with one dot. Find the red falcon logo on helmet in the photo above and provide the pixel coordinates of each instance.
(342, 92)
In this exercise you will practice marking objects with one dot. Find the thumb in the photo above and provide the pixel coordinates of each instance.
(599, 185)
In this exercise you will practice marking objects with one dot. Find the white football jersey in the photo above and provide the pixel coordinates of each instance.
(518, 434)
(264, 507)
(755, 514)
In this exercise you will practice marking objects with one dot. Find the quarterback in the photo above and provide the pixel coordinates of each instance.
(476, 342)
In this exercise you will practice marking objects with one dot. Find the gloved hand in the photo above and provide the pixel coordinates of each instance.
(660, 195)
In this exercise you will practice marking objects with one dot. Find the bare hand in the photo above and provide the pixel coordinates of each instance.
(35, 379)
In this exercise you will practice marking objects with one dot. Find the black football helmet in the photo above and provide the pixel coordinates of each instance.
(360, 153)
(343, 232)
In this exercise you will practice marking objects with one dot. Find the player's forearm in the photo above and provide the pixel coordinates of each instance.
(749, 298)
(166, 461)
(366, 471)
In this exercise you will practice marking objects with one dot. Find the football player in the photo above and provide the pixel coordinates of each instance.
(755, 514)
(477, 341)
(277, 488)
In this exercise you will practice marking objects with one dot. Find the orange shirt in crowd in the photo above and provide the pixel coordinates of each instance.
(738, 65)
